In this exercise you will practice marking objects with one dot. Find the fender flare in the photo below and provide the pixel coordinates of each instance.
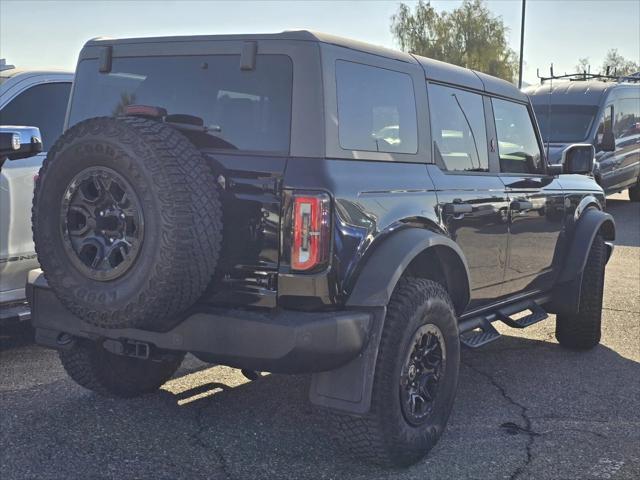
(566, 293)
(387, 262)
(588, 225)
(349, 388)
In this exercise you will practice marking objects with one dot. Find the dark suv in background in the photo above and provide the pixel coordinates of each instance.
(605, 114)
(301, 203)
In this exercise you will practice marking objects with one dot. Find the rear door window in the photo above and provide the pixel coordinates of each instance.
(376, 109)
(518, 147)
(241, 109)
(43, 106)
(458, 129)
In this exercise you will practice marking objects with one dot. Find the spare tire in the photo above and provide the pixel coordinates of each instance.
(127, 222)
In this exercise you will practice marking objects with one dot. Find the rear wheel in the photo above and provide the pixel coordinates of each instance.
(582, 330)
(415, 380)
(94, 368)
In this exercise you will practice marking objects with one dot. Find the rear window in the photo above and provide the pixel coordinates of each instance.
(242, 109)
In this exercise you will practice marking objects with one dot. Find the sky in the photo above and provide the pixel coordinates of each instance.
(50, 33)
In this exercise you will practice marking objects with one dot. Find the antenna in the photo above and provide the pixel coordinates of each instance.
(549, 109)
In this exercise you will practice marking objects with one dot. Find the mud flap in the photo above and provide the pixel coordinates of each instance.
(348, 388)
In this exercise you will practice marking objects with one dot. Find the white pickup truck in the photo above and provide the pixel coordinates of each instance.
(37, 99)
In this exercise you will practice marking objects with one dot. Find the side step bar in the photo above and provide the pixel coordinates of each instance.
(478, 331)
(537, 315)
(481, 335)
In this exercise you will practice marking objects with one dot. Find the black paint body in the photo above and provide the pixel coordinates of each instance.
(511, 229)
(492, 237)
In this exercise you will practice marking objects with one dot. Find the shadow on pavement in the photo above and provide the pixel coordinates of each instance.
(523, 398)
(15, 335)
(626, 215)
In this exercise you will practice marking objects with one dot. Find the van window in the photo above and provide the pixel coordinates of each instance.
(43, 106)
(242, 110)
(376, 109)
(518, 147)
(458, 129)
(565, 123)
(604, 126)
(627, 118)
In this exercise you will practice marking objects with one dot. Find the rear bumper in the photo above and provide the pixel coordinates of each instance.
(281, 341)
(14, 312)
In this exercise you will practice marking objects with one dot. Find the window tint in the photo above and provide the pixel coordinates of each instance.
(627, 117)
(517, 143)
(43, 106)
(376, 109)
(565, 123)
(458, 129)
(242, 109)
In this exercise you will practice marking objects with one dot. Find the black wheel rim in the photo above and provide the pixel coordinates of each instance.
(422, 373)
(102, 223)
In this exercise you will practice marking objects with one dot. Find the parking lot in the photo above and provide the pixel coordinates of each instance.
(525, 409)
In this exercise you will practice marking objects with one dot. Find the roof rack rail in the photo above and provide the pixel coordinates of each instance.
(577, 77)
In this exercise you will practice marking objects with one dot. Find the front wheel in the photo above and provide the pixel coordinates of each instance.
(415, 379)
(582, 330)
(634, 192)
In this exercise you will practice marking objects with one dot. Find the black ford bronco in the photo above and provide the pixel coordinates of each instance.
(301, 203)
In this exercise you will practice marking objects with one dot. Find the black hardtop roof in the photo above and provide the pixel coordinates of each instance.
(581, 92)
(455, 75)
(434, 69)
(291, 35)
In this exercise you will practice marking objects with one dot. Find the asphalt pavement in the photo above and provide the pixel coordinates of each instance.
(525, 409)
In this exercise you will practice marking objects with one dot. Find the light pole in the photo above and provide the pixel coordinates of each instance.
(524, 3)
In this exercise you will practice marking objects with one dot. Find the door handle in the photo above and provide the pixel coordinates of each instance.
(521, 205)
(457, 208)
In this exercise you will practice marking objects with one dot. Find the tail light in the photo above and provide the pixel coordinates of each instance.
(311, 231)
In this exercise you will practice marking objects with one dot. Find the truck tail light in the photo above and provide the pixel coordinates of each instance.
(311, 231)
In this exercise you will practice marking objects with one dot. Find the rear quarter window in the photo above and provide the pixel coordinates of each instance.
(247, 110)
(376, 109)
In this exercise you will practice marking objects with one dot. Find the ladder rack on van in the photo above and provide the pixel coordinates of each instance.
(577, 77)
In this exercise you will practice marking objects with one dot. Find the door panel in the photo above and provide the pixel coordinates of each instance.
(536, 201)
(536, 213)
(472, 202)
(474, 211)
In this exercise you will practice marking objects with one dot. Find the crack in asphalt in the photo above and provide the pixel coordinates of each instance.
(200, 442)
(619, 310)
(526, 429)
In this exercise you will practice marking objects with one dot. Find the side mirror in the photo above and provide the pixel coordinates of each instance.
(19, 142)
(578, 158)
(608, 142)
